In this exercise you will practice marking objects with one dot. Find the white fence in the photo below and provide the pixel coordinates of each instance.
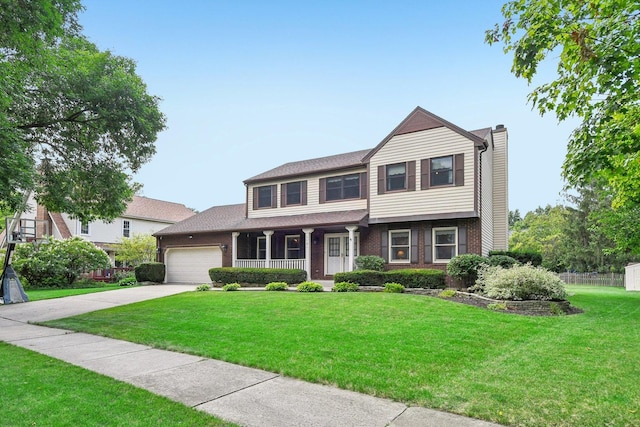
(596, 279)
(274, 263)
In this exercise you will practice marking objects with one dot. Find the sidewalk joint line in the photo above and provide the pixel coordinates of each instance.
(238, 390)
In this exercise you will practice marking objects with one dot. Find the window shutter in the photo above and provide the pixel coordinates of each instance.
(255, 197)
(411, 175)
(424, 173)
(414, 244)
(428, 249)
(303, 192)
(462, 240)
(283, 195)
(323, 190)
(364, 184)
(274, 196)
(384, 245)
(381, 180)
(459, 172)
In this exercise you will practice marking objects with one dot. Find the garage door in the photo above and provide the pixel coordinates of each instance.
(191, 265)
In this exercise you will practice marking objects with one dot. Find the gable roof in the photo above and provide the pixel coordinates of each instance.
(310, 166)
(157, 210)
(231, 218)
(420, 119)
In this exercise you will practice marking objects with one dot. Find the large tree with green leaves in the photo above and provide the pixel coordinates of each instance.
(75, 122)
(596, 44)
(136, 249)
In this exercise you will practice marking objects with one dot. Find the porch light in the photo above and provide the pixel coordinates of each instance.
(224, 248)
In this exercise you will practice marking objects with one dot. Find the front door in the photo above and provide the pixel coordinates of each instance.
(337, 252)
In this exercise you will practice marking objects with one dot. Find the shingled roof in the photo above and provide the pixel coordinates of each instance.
(231, 218)
(310, 166)
(157, 210)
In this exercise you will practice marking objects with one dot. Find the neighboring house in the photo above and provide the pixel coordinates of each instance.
(428, 192)
(143, 216)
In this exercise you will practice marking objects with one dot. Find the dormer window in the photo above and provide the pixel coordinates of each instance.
(264, 197)
(442, 171)
(396, 177)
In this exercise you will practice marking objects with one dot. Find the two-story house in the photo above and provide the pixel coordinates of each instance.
(426, 193)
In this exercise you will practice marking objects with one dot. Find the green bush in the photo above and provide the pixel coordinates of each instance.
(361, 277)
(258, 276)
(203, 287)
(395, 288)
(465, 267)
(522, 282)
(370, 262)
(447, 293)
(417, 278)
(310, 287)
(231, 287)
(523, 257)
(345, 287)
(503, 261)
(150, 272)
(57, 263)
(497, 306)
(127, 281)
(276, 286)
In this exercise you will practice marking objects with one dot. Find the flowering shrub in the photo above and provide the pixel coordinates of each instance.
(521, 282)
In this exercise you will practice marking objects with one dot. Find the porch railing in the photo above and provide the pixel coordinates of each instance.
(274, 263)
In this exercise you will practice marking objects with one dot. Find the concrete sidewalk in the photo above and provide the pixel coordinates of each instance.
(249, 397)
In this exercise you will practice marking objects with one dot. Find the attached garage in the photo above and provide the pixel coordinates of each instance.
(191, 265)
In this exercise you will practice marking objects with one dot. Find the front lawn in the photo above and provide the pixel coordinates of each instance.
(539, 371)
(40, 391)
(40, 294)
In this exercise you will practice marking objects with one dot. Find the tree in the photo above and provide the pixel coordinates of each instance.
(597, 48)
(57, 263)
(74, 121)
(514, 218)
(136, 250)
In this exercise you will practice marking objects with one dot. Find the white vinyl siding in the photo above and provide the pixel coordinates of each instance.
(500, 196)
(416, 146)
(111, 232)
(486, 199)
(313, 197)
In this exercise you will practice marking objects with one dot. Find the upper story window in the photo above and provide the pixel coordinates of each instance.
(343, 187)
(293, 193)
(396, 177)
(445, 244)
(126, 228)
(399, 245)
(84, 228)
(441, 171)
(264, 197)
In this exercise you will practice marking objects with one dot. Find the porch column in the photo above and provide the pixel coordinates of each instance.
(267, 255)
(307, 250)
(234, 248)
(351, 229)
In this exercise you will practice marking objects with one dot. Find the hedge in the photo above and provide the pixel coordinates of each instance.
(535, 258)
(150, 272)
(409, 278)
(258, 276)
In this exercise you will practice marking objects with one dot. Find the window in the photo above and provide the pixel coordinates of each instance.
(84, 228)
(396, 177)
(264, 197)
(126, 228)
(293, 247)
(293, 193)
(399, 245)
(441, 171)
(343, 187)
(261, 247)
(445, 243)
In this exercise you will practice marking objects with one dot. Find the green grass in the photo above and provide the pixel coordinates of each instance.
(579, 370)
(40, 294)
(41, 391)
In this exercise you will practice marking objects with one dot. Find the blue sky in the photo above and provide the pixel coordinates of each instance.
(249, 85)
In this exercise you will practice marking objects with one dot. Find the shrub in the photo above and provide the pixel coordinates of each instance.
(203, 287)
(503, 261)
(276, 286)
(231, 287)
(259, 276)
(447, 293)
(150, 272)
(395, 288)
(310, 287)
(522, 282)
(361, 277)
(345, 287)
(127, 281)
(523, 257)
(417, 278)
(497, 306)
(465, 267)
(370, 262)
